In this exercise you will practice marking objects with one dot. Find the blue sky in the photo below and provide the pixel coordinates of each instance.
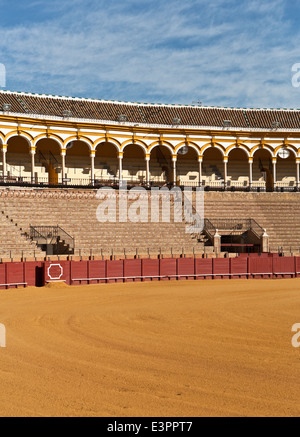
(219, 52)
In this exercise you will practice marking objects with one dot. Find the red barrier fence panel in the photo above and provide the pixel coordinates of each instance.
(97, 272)
(34, 273)
(133, 270)
(260, 268)
(221, 268)
(79, 272)
(284, 267)
(297, 267)
(3, 276)
(203, 268)
(115, 271)
(239, 268)
(15, 276)
(57, 271)
(168, 269)
(186, 268)
(150, 269)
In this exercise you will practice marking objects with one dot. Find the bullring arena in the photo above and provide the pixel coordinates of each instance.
(189, 324)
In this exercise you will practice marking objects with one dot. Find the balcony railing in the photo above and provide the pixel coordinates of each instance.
(217, 185)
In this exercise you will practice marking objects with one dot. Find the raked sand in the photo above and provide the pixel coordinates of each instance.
(205, 348)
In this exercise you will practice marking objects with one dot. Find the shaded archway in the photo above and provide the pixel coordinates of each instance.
(134, 165)
(78, 163)
(286, 171)
(262, 170)
(213, 167)
(238, 168)
(187, 167)
(106, 163)
(18, 159)
(48, 165)
(161, 165)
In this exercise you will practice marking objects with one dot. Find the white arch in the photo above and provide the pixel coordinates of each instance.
(216, 146)
(137, 143)
(15, 135)
(80, 139)
(59, 142)
(255, 149)
(237, 147)
(192, 146)
(286, 147)
(97, 144)
(161, 145)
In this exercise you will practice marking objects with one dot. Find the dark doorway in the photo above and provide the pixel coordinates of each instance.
(39, 276)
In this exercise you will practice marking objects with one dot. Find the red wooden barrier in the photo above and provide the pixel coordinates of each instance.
(260, 268)
(186, 268)
(3, 276)
(297, 267)
(115, 271)
(79, 272)
(97, 272)
(150, 269)
(284, 267)
(221, 268)
(168, 269)
(132, 270)
(203, 268)
(15, 275)
(239, 268)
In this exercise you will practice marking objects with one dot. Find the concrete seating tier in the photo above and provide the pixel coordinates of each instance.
(75, 212)
(278, 213)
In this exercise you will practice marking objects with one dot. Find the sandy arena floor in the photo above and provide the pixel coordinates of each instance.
(205, 348)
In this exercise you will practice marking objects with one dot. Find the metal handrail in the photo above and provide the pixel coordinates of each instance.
(49, 232)
(234, 225)
(254, 226)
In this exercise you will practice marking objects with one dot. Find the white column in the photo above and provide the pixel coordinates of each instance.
(4, 151)
(93, 167)
(32, 151)
(298, 173)
(225, 172)
(250, 172)
(200, 171)
(174, 159)
(274, 172)
(147, 170)
(63, 164)
(120, 168)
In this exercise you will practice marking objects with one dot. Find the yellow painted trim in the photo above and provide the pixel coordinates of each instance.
(107, 139)
(264, 147)
(239, 146)
(18, 133)
(81, 138)
(162, 144)
(48, 136)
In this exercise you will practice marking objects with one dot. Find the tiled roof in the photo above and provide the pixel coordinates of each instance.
(142, 113)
